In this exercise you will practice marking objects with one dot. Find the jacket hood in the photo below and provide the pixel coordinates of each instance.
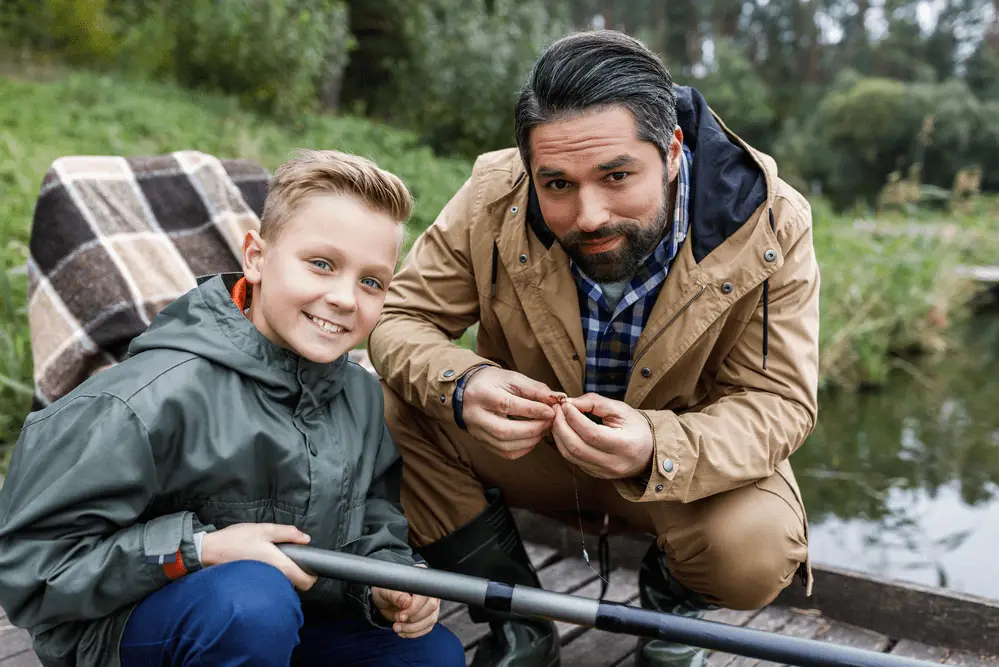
(205, 322)
(728, 179)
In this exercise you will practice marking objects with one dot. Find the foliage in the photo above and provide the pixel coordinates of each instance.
(469, 60)
(276, 55)
(737, 94)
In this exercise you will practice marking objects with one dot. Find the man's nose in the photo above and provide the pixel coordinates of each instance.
(593, 211)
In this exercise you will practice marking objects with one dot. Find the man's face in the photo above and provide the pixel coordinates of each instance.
(602, 191)
(320, 284)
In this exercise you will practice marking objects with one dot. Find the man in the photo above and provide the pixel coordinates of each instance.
(636, 255)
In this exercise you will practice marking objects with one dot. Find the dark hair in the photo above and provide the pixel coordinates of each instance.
(587, 70)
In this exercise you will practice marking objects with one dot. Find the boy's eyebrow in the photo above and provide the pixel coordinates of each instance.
(616, 163)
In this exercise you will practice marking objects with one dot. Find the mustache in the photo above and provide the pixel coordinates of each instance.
(627, 228)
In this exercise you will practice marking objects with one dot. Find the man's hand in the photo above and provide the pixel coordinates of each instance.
(621, 447)
(255, 541)
(412, 616)
(507, 411)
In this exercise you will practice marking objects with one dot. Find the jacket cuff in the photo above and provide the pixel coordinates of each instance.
(670, 471)
(444, 382)
(168, 543)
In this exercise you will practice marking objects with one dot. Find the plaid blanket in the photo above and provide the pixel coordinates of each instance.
(115, 239)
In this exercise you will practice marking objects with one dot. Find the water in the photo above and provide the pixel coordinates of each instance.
(904, 482)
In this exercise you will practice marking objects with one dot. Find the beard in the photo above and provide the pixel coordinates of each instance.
(622, 262)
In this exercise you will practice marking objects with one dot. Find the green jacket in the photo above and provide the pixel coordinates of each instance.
(207, 424)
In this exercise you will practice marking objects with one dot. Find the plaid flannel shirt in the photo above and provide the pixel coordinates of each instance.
(611, 334)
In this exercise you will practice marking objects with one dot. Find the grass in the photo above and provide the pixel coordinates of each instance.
(881, 295)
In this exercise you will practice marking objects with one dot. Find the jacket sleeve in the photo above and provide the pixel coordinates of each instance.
(432, 300)
(72, 546)
(759, 417)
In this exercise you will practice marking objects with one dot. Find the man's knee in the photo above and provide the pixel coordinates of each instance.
(252, 608)
(750, 550)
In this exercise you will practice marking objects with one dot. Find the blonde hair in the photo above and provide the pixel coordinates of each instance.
(312, 172)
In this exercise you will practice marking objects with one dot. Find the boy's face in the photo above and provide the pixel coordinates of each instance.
(319, 285)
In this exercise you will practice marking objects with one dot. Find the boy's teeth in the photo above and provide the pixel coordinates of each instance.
(328, 327)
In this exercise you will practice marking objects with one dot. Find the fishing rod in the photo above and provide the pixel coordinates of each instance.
(587, 612)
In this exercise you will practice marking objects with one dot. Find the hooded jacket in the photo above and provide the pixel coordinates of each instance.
(205, 425)
(726, 369)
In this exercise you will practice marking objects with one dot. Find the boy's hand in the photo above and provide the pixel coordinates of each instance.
(412, 616)
(255, 541)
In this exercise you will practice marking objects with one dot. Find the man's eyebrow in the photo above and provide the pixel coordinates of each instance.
(616, 163)
(550, 172)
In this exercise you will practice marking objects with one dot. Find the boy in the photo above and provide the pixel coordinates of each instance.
(139, 518)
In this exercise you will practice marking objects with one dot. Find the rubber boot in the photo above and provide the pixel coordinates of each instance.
(489, 546)
(659, 591)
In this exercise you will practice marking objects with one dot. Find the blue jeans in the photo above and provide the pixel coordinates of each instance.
(248, 614)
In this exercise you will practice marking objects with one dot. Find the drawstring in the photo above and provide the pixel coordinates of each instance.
(766, 305)
(495, 268)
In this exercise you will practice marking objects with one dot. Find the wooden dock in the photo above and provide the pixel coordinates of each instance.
(583, 647)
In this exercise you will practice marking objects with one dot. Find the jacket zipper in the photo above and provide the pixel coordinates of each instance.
(673, 319)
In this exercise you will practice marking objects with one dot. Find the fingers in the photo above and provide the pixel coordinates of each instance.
(510, 431)
(296, 575)
(420, 607)
(418, 622)
(593, 434)
(513, 405)
(532, 389)
(280, 533)
(593, 461)
(598, 405)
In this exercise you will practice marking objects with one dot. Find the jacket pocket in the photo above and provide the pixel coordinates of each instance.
(353, 526)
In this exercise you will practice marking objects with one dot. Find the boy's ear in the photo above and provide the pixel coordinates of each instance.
(254, 249)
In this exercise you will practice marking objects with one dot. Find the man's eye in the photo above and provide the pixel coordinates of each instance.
(374, 283)
(322, 264)
(557, 184)
(618, 175)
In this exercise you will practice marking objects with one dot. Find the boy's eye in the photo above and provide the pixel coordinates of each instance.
(321, 264)
(618, 175)
(371, 282)
(557, 184)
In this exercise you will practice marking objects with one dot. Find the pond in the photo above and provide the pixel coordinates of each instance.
(904, 482)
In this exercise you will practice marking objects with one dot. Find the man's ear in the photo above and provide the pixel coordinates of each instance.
(254, 250)
(673, 156)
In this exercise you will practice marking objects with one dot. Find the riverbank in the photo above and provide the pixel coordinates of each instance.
(881, 294)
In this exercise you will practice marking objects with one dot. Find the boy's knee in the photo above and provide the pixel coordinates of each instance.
(444, 648)
(253, 608)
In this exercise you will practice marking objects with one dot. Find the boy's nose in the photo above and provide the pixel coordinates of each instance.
(341, 296)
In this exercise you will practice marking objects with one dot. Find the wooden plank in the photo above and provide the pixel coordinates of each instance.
(972, 659)
(770, 619)
(541, 555)
(802, 624)
(14, 641)
(597, 648)
(901, 610)
(912, 649)
(26, 659)
(850, 635)
(623, 588)
(563, 576)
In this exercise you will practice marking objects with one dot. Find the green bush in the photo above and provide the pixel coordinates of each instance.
(469, 59)
(277, 55)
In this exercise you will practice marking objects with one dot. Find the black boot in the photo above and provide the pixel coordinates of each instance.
(489, 546)
(661, 592)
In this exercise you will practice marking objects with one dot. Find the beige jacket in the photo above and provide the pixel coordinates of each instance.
(718, 416)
